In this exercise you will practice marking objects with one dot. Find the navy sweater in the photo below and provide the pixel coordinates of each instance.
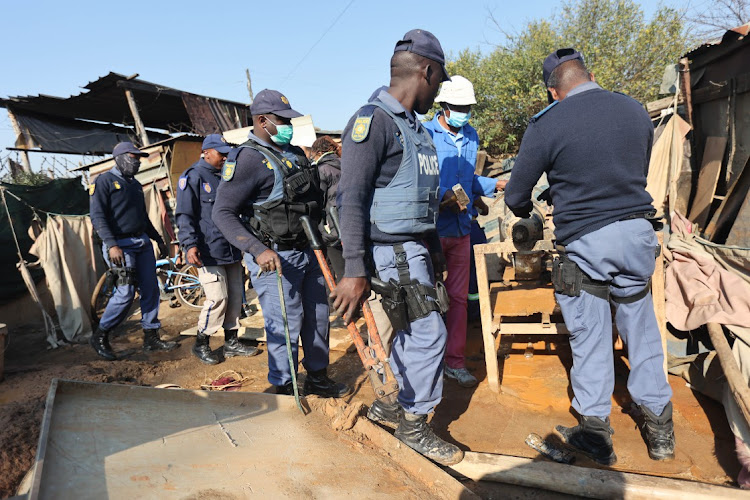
(595, 147)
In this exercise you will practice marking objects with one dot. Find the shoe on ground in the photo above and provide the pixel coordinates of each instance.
(385, 413)
(592, 437)
(285, 390)
(462, 376)
(100, 342)
(320, 384)
(152, 342)
(235, 347)
(658, 432)
(202, 350)
(415, 433)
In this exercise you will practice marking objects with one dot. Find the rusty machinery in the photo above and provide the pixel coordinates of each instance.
(523, 300)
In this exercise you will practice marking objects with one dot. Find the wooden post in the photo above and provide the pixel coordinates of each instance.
(139, 128)
(485, 308)
(659, 298)
(735, 379)
(19, 134)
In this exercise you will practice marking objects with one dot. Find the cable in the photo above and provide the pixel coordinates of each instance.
(316, 43)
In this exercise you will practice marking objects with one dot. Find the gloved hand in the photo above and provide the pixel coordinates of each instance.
(439, 266)
(545, 196)
(163, 249)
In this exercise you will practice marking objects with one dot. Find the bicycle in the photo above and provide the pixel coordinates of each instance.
(182, 284)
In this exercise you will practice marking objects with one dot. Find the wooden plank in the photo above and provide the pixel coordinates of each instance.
(585, 482)
(523, 302)
(718, 229)
(737, 382)
(532, 329)
(137, 118)
(739, 235)
(485, 309)
(659, 297)
(713, 156)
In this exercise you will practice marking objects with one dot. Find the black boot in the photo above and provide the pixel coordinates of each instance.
(285, 390)
(152, 342)
(235, 347)
(319, 384)
(202, 350)
(100, 342)
(414, 432)
(385, 413)
(593, 437)
(658, 431)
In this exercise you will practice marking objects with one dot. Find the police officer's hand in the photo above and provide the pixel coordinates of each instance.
(269, 261)
(500, 186)
(163, 249)
(194, 257)
(116, 256)
(439, 266)
(347, 296)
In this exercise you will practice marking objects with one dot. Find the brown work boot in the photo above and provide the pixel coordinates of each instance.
(414, 432)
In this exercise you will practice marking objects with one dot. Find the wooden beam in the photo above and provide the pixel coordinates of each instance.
(19, 134)
(140, 129)
(485, 308)
(737, 382)
(585, 482)
(659, 297)
(713, 157)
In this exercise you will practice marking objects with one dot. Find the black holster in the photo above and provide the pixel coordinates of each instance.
(393, 298)
(121, 276)
(568, 279)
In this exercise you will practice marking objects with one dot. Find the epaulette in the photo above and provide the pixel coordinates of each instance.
(362, 124)
(539, 115)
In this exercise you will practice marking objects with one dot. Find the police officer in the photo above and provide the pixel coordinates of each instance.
(219, 263)
(118, 214)
(388, 206)
(595, 147)
(267, 185)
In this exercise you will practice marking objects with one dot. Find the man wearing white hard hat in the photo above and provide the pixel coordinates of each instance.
(457, 143)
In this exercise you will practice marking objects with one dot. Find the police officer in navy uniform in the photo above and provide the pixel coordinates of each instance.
(595, 147)
(267, 186)
(118, 214)
(219, 264)
(388, 202)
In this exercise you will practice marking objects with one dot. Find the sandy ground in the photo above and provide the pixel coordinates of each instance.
(535, 397)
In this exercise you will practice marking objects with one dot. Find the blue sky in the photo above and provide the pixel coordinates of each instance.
(326, 69)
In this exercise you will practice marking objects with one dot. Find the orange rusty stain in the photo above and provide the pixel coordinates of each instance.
(170, 487)
(139, 478)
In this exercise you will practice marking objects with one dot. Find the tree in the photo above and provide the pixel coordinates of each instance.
(625, 53)
(711, 20)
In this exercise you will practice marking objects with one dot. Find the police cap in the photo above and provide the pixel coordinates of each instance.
(556, 58)
(272, 102)
(217, 142)
(127, 147)
(425, 44)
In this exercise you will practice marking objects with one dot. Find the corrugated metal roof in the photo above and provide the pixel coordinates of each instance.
(160, 107)
(733, 34)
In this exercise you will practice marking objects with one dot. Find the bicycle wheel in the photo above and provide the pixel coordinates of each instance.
(189, 289)
(100, 298)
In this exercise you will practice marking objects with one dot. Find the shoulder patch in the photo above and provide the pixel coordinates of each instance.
(541, 113)
(267, 163)
(182, 183)
(207, 187)
(227, 172)
(92, 187)
(361, 126)
(116, 184)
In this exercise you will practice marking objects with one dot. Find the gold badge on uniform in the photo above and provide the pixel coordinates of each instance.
(288, 163)
(284, 100)
(228, 171)
(117, 185)
(267, 164)
(207, 187)
(361, 128)
(92, 187)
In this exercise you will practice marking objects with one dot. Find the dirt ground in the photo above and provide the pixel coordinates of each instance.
(535, 397)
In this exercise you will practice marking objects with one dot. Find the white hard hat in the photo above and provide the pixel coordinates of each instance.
(458, 91)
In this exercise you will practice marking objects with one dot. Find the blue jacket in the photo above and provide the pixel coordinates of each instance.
(458, 167)
(118, 208)
(196, 194)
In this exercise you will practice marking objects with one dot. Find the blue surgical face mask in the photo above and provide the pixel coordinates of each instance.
(283, 134)
(457, 119)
